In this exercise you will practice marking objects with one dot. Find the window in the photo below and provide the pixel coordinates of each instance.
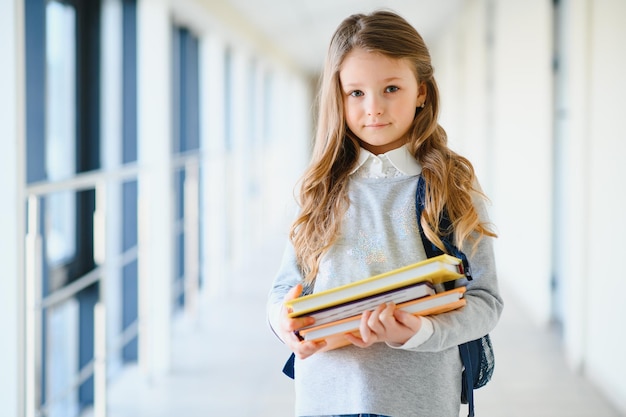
(62, 140)
(186, 143)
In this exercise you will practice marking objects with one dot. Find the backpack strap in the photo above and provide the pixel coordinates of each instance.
(467, 391)
(468, 380)
(444, 224)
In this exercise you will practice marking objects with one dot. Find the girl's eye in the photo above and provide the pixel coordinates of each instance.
(356, 93)
(391, 89)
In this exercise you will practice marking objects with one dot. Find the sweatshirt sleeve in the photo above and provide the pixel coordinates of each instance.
(484, 304)
(287, 277)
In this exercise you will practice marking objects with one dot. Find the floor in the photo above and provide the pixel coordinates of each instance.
(226, 363)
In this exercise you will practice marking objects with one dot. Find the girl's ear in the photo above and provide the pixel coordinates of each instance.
(421, 94)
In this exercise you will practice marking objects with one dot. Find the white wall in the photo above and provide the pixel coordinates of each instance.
(606, 192)
(572, 140)
(497, 110)
(498, 106)
(461, 59)
(11, 211)
(593, 190)
(286, 150)
(522, 139)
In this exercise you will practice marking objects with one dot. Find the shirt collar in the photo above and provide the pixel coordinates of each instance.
(400, 158)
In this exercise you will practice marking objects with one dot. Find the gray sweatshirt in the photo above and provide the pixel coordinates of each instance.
(380, 233)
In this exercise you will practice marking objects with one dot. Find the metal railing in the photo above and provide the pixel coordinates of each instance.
(101, 182)
(36, 303)
(189, 162)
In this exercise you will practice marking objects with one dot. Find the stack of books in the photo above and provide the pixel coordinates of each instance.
(337, 311)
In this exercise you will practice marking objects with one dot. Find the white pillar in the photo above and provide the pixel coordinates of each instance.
(111, 151)
(522, 118)
(461, 57)
(239, 219)
(155, 186)
(573, 167)
(12, 208)
(605, 193)
(214, 174)
(286, 149)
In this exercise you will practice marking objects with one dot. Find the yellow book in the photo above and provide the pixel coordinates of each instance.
(434, 270)
(352, 308)
(333, 333)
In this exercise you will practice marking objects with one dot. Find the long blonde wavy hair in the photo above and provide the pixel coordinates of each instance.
(323, 195)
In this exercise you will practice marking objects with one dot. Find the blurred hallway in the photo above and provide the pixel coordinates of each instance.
(150, 146)
(228, 364)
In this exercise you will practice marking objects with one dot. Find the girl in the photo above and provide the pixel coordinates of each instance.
(377, 131)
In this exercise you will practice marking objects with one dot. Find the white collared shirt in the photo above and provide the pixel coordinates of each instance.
(395, 163)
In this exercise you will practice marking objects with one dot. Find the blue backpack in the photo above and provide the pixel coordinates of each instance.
(477, 355)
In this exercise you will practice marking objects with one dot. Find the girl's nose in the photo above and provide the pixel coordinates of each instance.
(374, 106)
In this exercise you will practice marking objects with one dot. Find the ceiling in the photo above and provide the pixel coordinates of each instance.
(303, 28)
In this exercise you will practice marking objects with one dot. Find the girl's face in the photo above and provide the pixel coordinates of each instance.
(380, 95)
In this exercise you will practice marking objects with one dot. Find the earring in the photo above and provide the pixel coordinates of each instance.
(422, 106)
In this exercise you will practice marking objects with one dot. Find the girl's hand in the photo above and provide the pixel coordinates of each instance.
(386, 324)
(289, 325)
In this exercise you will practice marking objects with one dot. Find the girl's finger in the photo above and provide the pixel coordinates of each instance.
(368, 336)
(374, 319)
(305, 349)
(408, 320)
(386, 316)
(294, 324)
(293, 293)
(364, 327)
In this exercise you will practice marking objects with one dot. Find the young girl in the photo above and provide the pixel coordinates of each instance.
(377, 132)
